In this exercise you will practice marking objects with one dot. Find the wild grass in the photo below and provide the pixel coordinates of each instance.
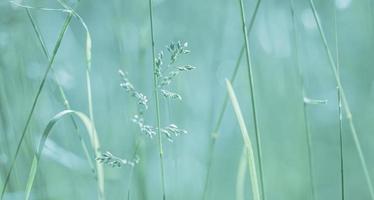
(71, 13)
(344, 101)
(157, 104)
(340, 111)
(215, 133)
(64, 99)
(247, 143)
(253, 97)
(163, 75)
(35, 101)
(91, 133)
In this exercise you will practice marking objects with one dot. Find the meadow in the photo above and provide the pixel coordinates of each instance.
(172, 99)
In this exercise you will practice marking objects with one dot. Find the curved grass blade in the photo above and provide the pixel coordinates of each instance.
(88, 59)
(35, 101)
(91, 134)
(247, 142)
(344, 102)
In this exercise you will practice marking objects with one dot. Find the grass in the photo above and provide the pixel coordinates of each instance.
(66, 102)
(253, 98)
(344, 102)
(340, 111)
(247, 143)
(158, 118)
(91, 133)
(35, 101)
(215, 133)
(188, 164)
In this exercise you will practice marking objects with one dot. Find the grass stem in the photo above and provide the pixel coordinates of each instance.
(215, 132)
(247, 143)
(345, 105)
(158, 117)
(253, 98)
(340, 111)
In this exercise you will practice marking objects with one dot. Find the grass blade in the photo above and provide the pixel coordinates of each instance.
(35, 101)
(247, 142)
(344, 101)
(240, 179)
(340, 111)
(252, 94)
(88, 59)
(215, 133)
(60, 89)
(91, 133)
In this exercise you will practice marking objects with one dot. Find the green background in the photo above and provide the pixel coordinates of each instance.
(120, 34)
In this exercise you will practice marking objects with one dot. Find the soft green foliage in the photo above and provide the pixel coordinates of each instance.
(302, 72)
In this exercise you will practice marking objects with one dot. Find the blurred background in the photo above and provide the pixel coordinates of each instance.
(120, 32)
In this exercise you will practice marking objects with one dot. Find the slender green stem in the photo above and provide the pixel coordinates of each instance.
(215, 132)
(155, 83)
(305, 111)
(60, 89)
(41, 86)
(253, 98)
(344, 101)
(340, 111)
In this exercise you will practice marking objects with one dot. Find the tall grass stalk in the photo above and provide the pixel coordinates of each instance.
(252, 94)
(344, 101)
(215, 133)
(35, 101)
(158, 117)
(305, 111)
(340, 111)
(247, 143)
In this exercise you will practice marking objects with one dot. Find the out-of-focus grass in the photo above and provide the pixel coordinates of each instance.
(120, 36)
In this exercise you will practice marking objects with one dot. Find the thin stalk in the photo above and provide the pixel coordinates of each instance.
(155, 83)
(253, 99)
(248, 150)
(60, 89)
(340, 111)
(344, 101)
(41, 86)
(305, 111)
(215, 133)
